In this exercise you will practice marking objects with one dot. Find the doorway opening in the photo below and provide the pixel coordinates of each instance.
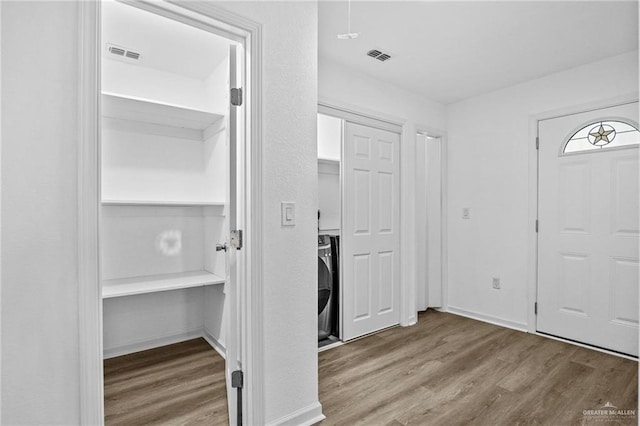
(330, 131)
(174, 175)
(359, 225)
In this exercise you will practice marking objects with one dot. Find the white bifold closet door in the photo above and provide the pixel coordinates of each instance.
(371, 238)
(428, 222)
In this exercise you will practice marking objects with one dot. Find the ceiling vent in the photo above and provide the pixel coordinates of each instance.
(381, 56)
(123, 52)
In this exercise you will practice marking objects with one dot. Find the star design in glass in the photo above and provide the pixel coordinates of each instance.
(601, 135)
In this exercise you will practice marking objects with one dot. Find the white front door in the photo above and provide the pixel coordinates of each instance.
(588, 228)
(371, 238)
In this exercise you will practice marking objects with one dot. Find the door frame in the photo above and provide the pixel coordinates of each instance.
(248, 33)
(444, 219)
(532, 266)
(358, 115)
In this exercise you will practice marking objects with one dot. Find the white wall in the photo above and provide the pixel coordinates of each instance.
(329, 137)
(488, 165)
(40, 290)
(40, 364)
(143, 82)
(289, 174)
(329, 197)
(341, 86)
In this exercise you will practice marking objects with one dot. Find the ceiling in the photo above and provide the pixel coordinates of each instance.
(449, 51)
(164, 44)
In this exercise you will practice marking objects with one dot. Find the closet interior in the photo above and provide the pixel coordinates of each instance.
(330, 135)
(164, 181)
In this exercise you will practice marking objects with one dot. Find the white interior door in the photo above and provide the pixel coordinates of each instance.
(428, 222)
(434, 221)
(232, 291)
(588, 229)
(370, 239)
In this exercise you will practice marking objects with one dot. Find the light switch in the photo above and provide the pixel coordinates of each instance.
(288, 214)
(466, 213)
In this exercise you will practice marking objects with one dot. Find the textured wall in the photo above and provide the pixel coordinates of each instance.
(39, 284)
(488, 172)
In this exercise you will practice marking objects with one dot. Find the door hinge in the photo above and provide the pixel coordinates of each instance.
(537, 142)
(236, 239)
(237, 381)
(535, 308)
(236, 96)
(537, 225)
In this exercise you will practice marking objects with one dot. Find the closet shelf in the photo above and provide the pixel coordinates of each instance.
(144, 111)
(156, 283)
(162, 203)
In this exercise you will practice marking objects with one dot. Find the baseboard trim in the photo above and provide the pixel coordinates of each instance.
(305, 416)
(486, 318)
(143, 345)
(215, 343)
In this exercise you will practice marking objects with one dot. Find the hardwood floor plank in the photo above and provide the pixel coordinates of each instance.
(180, 384)
(446, 370)
(451, 370)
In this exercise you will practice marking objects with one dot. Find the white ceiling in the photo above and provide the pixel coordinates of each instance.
(448, 51)
(164, 44)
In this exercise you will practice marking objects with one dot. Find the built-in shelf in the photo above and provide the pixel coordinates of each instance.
(156, 283)
(144, 111)
(162, 203)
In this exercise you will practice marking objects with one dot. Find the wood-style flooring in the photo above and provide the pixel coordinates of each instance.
(181, 384)
(451, 370)
(446, 370)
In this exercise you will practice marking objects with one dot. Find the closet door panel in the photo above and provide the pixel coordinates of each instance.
(371, 230)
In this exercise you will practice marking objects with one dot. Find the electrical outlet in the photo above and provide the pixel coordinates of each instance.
(496, 283)
(466, 213)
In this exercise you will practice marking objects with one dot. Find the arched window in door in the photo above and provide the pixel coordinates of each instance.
(600, 135)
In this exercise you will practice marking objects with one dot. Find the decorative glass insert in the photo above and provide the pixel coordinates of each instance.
(602, 135)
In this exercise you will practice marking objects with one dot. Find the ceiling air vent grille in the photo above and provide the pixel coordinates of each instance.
(123, 52)
(376, 54)
(132, 55)
(116, 51)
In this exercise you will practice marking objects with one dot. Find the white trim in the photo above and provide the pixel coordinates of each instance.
(519, 326)
(238, 28)
(534, 119)
(523, 327)
(309, 415)
(354, 116)
(0, 217)
(89, 286)
(146, 344)
(583, 345)
(143, 345)
(214, 343)
(331, 346)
